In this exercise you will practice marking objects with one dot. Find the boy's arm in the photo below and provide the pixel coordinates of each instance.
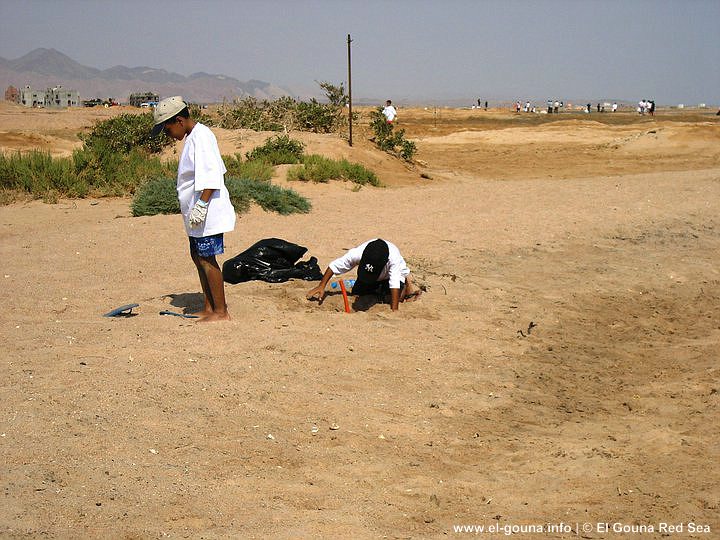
(319, 291)
(394, 299)
(206, 194)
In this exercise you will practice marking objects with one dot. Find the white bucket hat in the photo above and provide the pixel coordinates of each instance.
(165, 110)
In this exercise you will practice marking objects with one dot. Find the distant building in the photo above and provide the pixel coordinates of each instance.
(136, 100)
(52, 98)
(58, 97)
(12, 94)
(32, 98)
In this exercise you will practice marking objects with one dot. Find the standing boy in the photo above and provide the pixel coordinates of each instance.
(381, 270)
(204, 199)
(390, 112)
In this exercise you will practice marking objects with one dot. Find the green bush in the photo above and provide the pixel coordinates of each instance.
(38, 173)
(388, 140)
(271, 198)
(116, 174)
(254, 170)
(198, 114)
(278, 150)
(159, 196)
(250, 113)
(317, 168)
(286, 113)
(316, 117)
(123, 133)
(84, 174)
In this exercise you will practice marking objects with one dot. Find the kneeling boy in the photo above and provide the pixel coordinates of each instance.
(381, 270)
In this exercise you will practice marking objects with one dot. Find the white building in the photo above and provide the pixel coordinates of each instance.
(51, 98)
(32, 98)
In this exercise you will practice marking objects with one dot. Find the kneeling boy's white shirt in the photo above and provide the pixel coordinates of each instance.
(201, 167)
(395, 270)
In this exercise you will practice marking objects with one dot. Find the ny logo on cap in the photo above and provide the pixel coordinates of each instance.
(369, 267)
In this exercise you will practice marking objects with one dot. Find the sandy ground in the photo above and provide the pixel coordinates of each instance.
(562, 366)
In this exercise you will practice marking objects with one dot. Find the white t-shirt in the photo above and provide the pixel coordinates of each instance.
(201, 167)
(390, 113)
(395, 270)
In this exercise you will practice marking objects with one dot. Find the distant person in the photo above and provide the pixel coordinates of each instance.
(381, 270)
(527, 106)
(517, 106)
(486, 105)
(549, 106)
(390, 112)
(204, 200)
(479, 103)
(598, 107)
(588, 108)
(556, 106)
(651, 107)
(614, 106)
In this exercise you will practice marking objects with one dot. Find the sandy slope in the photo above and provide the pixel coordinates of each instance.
(452, 411)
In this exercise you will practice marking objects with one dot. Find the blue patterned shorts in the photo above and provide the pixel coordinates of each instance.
(207, 246)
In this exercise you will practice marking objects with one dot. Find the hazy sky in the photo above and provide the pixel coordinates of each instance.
(402, 49)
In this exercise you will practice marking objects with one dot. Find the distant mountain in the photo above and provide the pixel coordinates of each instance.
(44, 68)
(53, 63)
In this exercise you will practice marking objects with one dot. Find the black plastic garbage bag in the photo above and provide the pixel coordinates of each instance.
(272, 260)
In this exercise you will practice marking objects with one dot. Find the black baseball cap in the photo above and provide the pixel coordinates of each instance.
(374, 258)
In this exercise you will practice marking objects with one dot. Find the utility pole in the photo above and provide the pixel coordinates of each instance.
(349, 91)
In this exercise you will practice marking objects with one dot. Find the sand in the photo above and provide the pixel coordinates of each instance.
(562, 365)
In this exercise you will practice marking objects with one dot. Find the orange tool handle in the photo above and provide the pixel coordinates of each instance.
(345, 297)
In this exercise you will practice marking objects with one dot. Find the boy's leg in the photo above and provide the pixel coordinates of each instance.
(203, 251)
(208, 307)
(215, 295)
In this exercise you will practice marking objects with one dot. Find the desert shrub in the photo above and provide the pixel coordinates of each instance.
(198, 113)
(38, 173)
(317, 117)
(335, 94)
(359, 174)
(389, 140)
(116, 174)
(278, 150)
(159, 196)
(84, 174)
(256, 169)
(123, 133)
(251, 113)
(317, 168)
(271, 198)
(286, 113)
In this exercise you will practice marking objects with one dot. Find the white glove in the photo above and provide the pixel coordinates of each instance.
(198, 213)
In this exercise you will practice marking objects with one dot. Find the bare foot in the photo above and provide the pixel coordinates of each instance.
(215, 317)
(202, 314)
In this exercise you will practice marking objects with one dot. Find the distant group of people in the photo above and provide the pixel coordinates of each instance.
(480, 104)
(554, 106)
(600, 107)
(646, 106)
